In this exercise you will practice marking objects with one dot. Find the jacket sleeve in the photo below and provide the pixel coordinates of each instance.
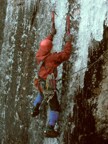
(64, 54)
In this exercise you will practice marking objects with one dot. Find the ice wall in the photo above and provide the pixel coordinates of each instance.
(8, 46)
(92, 17)
(61, 9)
(6, 57)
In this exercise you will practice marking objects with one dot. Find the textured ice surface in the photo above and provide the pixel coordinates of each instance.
(8, 46)
(61, 9)
(92, 14)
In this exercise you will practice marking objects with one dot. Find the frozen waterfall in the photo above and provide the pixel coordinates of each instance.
(90, 16)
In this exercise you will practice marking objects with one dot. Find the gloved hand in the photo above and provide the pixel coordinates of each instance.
(68, 38)
(53, 31)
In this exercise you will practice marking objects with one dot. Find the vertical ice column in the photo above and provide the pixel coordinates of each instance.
(61, 8)
(93, 14)
(7, 54)
(8, 46)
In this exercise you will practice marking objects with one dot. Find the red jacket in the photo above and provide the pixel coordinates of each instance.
(52, 60)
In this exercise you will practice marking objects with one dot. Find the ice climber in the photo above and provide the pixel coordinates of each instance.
(46, 81)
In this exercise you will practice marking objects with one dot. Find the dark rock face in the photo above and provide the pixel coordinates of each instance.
(84, 123)
(2, 21)
(84, 111)
(90, 112)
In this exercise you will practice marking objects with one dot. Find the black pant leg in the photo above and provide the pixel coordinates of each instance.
(54, 103)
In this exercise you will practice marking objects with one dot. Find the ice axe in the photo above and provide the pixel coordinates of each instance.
(53, 13)
(68, 24)
(53, 18)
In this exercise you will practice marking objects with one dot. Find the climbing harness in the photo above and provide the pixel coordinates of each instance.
(48, 86)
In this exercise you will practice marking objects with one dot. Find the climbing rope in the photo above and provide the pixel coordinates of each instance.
(91, 65)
